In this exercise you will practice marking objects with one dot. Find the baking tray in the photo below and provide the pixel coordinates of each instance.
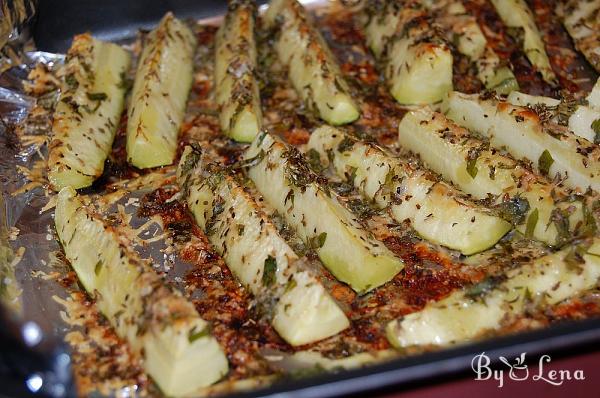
(58, 20)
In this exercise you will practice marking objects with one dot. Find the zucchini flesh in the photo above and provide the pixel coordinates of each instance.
(467, 314)
(580, 121)
(236, 87)
(346, 249)
(580, 17)
(436, 211)
(302, 310)
(516, 14)
(88, 112)
(417, 63)
(520, 131)
(162, 84)
(179, 352)
(313, 70)
(467, 162)
(470, 41)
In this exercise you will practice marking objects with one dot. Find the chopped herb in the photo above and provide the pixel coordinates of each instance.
(360, 208)
(193, 335)
(588, 226)
(545, 162)
(318, 241)
(290, 285)
(514, 209)
(97, 96)
(574, 258)
(98, 267)
(560, 218)
(314, 160)
(472, 167)
(532, 221)
(346, 144)
(71, 81)
(341, 188)
(596, 127)
(269, 272)
(480, 289)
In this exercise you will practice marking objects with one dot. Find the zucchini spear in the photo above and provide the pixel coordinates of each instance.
(416, 61)
(179, 352)
(436, 211)
(88, 111)
(551, 148)
(580, 17)
(583, 120)
(236, 88)
(313, 70)
(162, 84)
(467, 314)
(516, 14)
(286, 182)
(302, 310)
(464, 30)
(536, 208)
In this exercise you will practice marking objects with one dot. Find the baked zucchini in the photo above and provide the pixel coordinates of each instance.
(313, 70)
(352, 255)
(483, 307)
(580, 17)
(580, 121)
(162, 84)
(179, 352)
(469, 40)
(436, 211)
(529, 202)
(88, 111)
(236, 87)
(416, 61)
(516, 14)
(551, 148)
(302, 310)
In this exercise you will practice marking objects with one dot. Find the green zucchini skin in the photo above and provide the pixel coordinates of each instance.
(162, 83)
(179, 352)
(236, 86)
(467, 314)
(416, 61)
(485, 173)
(300, 308)
(87, 113)
(346, 249)
(436, 211)
(521, 131)
(313, 70)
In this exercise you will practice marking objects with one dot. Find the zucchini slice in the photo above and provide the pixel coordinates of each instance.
(580, 122)
(467, 314)
(179, 352)
(436, 211)
(526, 200)
(162, 84)
(302, 310)
(470, 41)
(88, 112)
(313, 70)
(551, 148)
(417, 62)
(286, 182)
(236, 87)
(516, 14)
(580, 17)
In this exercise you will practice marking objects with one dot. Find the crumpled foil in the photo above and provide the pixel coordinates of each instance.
(15, 16)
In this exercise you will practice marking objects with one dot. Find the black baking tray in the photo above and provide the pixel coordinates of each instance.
(58, 20)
